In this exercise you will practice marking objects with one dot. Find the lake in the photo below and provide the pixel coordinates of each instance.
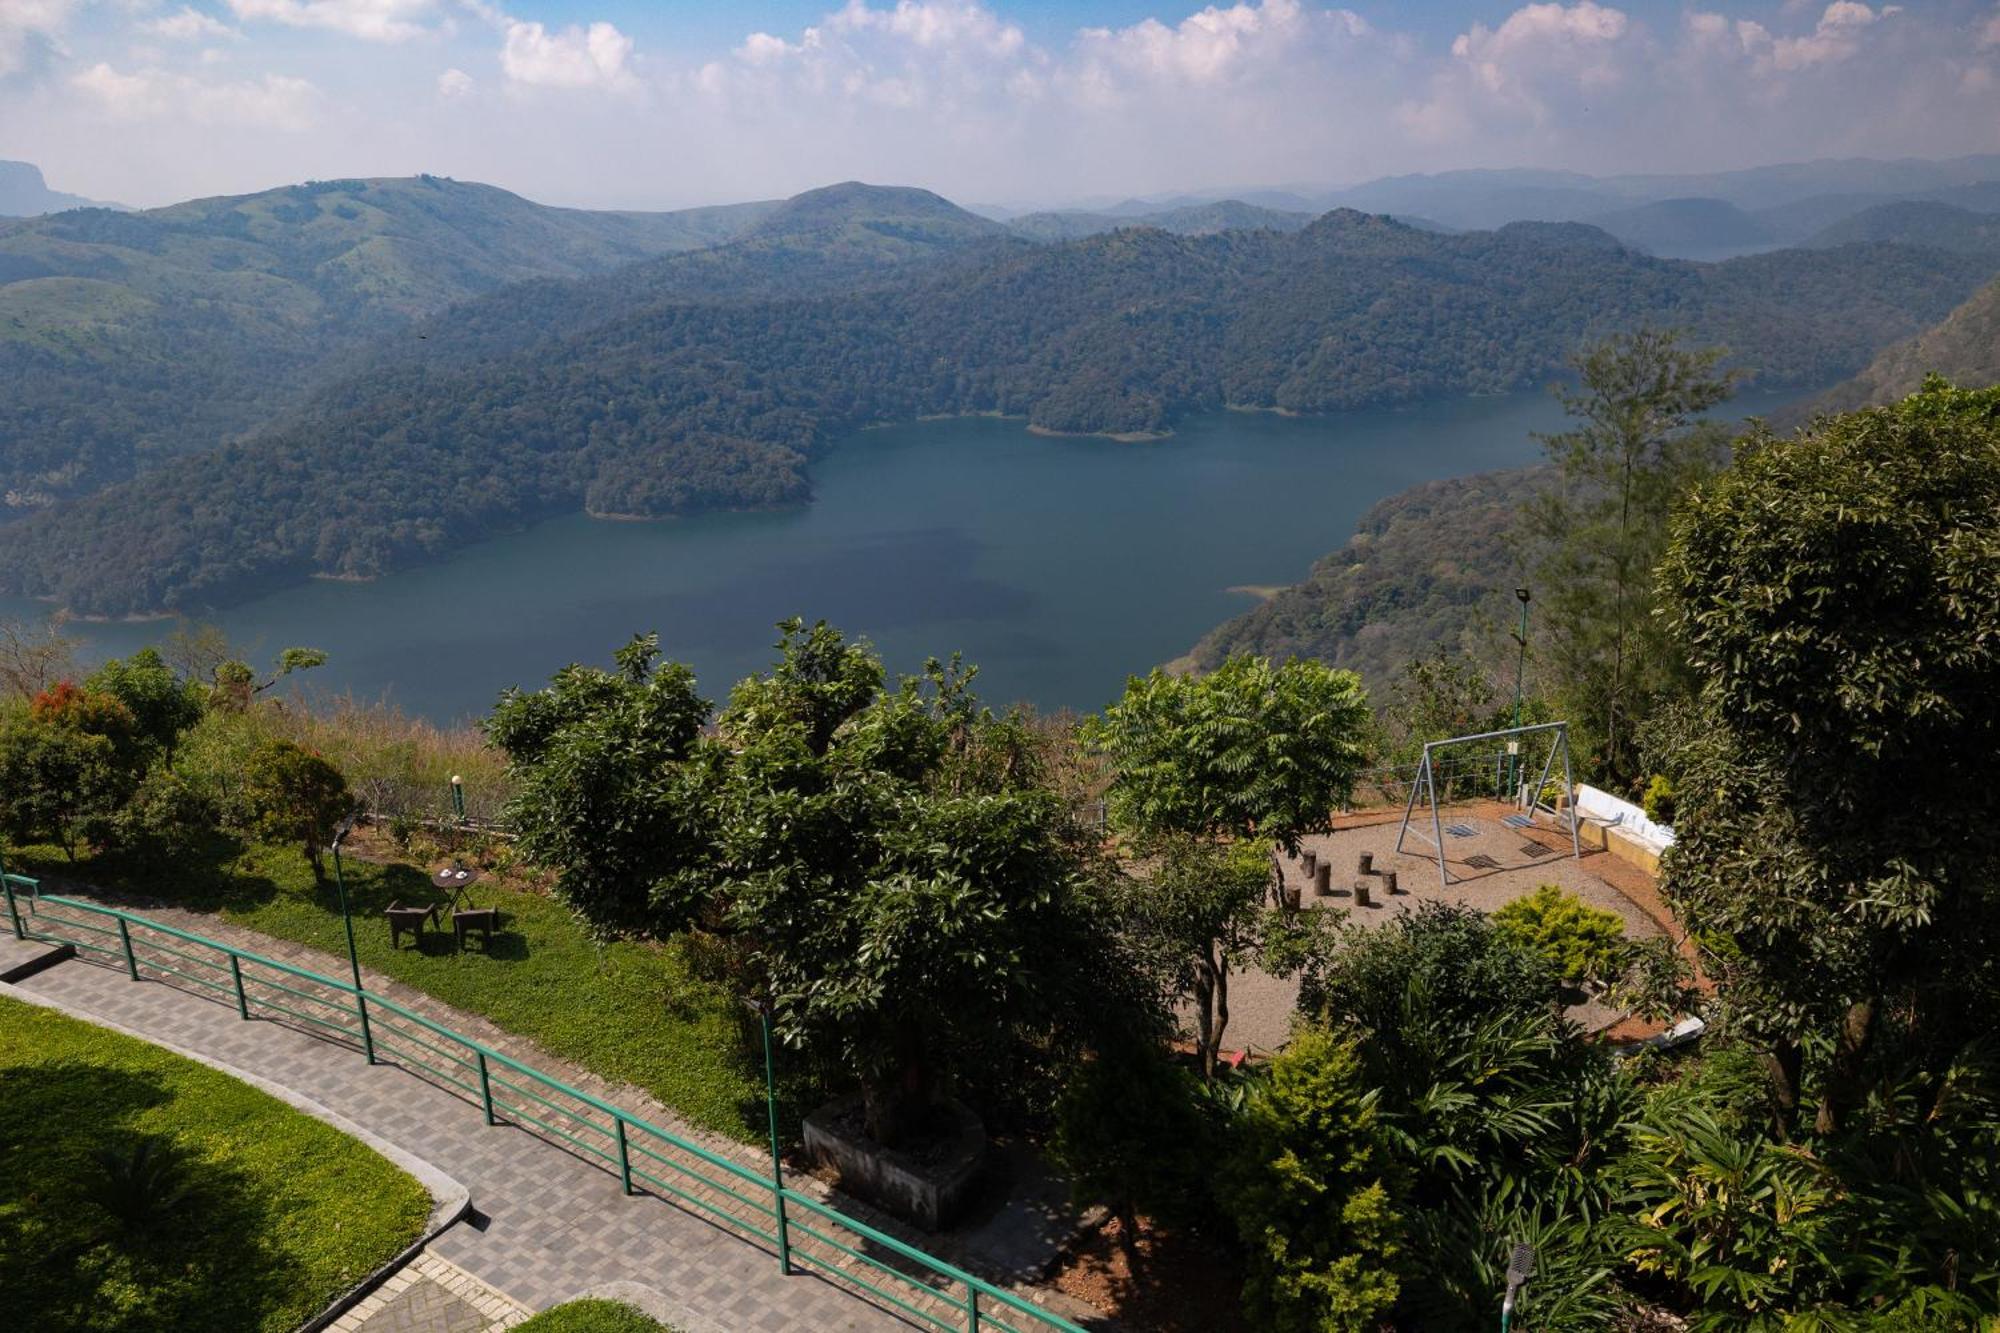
(1058, 565)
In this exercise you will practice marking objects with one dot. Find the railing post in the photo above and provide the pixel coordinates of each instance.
(486, 1088)
(971, 1308)
(367, 1037)
(13, 908)
(125, 935)
(777, 1160)
(236, 975)
(624, 1155)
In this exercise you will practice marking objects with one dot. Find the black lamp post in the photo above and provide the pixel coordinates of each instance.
(347, 918)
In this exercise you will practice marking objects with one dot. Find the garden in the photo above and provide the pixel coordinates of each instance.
(140, 1190)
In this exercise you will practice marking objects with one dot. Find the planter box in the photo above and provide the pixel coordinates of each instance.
(929, 1186)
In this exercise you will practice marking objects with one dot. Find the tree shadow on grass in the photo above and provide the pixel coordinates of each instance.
(211, 877)
(200, 1260)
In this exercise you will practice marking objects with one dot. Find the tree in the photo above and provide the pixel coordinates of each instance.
(1838, 596)
(912, 896)
(292, 795)
(33, 657)
(1309, 1197)
(59, 782)
(1248, 750)
(1251, 754)
(600, 791)
(1638, 445)
(161, 704)
(236, 684)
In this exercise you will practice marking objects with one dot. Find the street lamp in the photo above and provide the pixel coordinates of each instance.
(347, 918)
(762, 1007)
(458, 797)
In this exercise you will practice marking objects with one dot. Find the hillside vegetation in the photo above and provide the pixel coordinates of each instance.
(1964, 348)
(1420, 573)
(667, 394)
(130, 338)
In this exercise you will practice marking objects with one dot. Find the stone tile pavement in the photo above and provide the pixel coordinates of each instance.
(547, 1225)
(430, 1295)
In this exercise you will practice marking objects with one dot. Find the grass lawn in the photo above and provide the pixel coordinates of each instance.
(276, 1212)
(592, 1317)
(627, 1011)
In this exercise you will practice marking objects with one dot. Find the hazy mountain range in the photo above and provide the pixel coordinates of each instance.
(24, 194)
(342, 377)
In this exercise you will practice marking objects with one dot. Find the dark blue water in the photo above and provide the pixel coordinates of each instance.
(1058, 565)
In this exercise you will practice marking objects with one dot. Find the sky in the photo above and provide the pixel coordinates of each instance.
(668, 103)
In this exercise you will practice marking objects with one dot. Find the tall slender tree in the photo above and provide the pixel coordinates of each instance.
(1638, 443)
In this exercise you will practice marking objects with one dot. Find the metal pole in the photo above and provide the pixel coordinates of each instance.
(486, 1095)
(624, 1155)
(353, 958)
(971, 1308)
(13, 908)
(1437, 824)
(1520, 671)
(131, 963)
(458, 797)
(777, 1162)
(1410, 805)
(236, 975)
(1569, 786)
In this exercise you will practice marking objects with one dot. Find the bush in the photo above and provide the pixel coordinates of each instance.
(166, 820)
(1659, 799)
(592, 1316)
(294, 796)
(1308, 1195)
(1582, 943)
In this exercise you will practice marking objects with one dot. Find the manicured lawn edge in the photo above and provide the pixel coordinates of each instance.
(272, 1209)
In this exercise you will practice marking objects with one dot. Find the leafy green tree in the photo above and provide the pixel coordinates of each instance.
(1308, 1193)
(161, 704)
(1134, 1128)
(911, 894)
(1638, 444)
(600, 792)
(1836, 595)
(59, 783)
(292, 795)
(1248, 750)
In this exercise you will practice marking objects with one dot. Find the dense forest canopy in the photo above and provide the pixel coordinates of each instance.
(710, 380)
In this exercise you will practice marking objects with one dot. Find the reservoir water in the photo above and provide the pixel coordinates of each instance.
(1057, 565)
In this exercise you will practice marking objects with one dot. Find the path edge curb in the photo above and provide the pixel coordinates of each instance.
(451, 1201)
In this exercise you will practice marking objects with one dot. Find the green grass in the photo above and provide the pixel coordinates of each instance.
(627, 1011)
(592, 1316)
(281, 1212)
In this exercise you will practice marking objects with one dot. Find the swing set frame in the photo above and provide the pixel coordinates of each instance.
(1527, 797)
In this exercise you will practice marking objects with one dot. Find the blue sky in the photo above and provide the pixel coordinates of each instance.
(1028, 102)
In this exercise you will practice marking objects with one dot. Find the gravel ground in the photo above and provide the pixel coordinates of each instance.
(1260, 1006)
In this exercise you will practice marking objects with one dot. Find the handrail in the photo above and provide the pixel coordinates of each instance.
(967, 1309)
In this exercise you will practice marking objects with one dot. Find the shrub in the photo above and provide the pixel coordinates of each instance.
(293, 796)
(1308, 1195)
(167, 819)
(1582, 943)
(1659, 799)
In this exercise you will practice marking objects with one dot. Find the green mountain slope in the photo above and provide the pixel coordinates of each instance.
(1688, 228)
(1421, 571)
(128, 338)
(653, 399)
(1918, 222)
(1964, 348)
(1186, 220)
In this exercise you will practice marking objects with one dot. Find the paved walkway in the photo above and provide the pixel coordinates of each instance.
(547, 1225)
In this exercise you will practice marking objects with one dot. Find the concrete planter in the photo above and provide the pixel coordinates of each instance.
(929, 1187)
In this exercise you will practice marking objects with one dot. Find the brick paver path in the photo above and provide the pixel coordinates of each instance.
(548, 1226)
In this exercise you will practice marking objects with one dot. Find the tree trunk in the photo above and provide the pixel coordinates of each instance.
(313, 859)
(1204, 1016)
(1782, 1063)
(1221, 1008)
(895, 1106)
(1843, 1083)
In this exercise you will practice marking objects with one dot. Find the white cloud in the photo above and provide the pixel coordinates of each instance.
(1543, 40)
(1205, 47)
(1835, 38)
(188, 24)
(934, 25)
(1989, 35)
(454, 83)
(370, 20)
(575, 57)
(25, 21)
(274, 101)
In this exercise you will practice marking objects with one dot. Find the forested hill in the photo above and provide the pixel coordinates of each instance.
(1964, 348)
(1422, 572)
(127, 338)
(648, 400)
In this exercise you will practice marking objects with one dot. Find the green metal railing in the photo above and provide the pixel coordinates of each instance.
(925, 1289)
